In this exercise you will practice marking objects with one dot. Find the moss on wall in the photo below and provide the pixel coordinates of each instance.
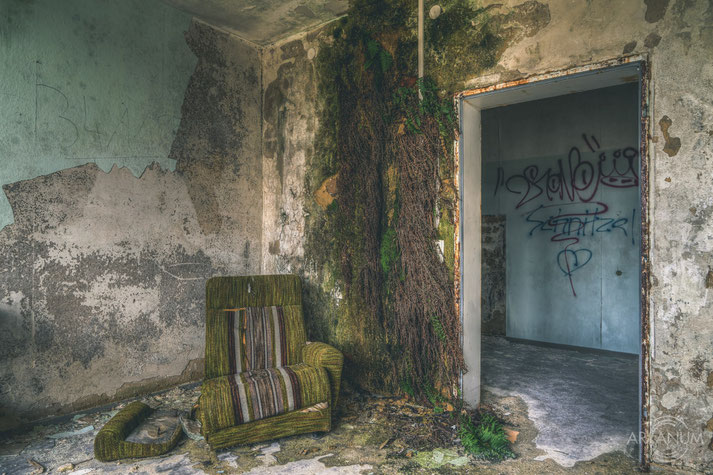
(385, 292)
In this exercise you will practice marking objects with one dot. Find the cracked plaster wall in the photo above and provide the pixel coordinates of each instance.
(139, 271)
(102, 272)
(677, 38)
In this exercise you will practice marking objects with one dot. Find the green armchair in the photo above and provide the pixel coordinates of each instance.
(263, 380)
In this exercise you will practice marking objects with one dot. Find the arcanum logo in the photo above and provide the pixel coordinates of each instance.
(671, 439)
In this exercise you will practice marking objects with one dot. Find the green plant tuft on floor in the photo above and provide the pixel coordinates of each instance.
(434, 397)
(485, 439)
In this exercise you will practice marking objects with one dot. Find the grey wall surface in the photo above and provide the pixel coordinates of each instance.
(676, 37)
(131, 170)
(264, 22)
(564, 172)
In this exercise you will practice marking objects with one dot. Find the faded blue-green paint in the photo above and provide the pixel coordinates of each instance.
(88, 81)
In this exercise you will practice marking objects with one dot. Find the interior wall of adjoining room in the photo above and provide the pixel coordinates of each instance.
(563, 173)
(131, 170)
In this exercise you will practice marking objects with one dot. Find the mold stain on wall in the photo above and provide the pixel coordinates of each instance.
(303, 92)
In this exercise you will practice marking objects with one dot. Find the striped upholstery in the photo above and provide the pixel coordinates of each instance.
(237, 294)
(261, 378)
(256, 338)
(255, 395)
(329, 358)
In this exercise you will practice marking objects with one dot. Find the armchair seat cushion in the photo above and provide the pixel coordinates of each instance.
(235, 399)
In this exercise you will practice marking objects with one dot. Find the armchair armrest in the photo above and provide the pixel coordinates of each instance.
(329, 358)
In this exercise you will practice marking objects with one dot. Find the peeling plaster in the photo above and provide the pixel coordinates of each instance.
(68, 98)
(579, 34)
(105, 272)
(672, 144)
(655, 10)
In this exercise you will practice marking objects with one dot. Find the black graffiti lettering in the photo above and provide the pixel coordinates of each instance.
(575, 181)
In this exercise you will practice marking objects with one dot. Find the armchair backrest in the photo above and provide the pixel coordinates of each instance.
(248, 311)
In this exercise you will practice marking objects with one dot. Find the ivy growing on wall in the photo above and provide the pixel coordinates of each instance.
(388, 139)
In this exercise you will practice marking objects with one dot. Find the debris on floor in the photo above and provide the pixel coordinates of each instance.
(71, 433)
(369, 434)
(437, 458)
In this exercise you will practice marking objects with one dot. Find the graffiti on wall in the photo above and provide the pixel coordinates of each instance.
(564, 201)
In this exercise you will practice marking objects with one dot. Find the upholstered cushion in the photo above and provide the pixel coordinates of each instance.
(253, 291)
(253, 395)
(233, 293)
(261, 338)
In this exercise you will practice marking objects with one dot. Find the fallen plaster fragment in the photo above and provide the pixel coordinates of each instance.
(38, 467)
(176, 464)
(63, 435)
(437, 458)
(191, 427)
(229, 458)
(266, 456)
(309, 467)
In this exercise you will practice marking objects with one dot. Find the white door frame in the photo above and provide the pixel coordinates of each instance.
(468, 213)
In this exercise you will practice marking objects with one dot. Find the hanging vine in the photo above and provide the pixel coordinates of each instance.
(391, 151)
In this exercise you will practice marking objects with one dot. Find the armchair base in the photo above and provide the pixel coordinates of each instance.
(284, 425)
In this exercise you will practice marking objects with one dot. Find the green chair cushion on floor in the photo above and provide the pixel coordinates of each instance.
(111, 444)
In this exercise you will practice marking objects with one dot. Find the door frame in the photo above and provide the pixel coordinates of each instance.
(468, 222)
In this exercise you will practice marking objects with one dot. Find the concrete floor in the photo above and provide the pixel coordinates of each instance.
(370, 434)
(583, 404)
(572, 413)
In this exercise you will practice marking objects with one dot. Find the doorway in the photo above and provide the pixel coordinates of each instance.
(550, 176)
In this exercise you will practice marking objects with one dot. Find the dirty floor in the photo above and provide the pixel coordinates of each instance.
(370, 435)
(583, 403)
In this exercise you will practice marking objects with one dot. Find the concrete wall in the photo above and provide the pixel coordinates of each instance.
(130, 164)
(289, 124)
(291, 212)
(572, 208)
(677, 37)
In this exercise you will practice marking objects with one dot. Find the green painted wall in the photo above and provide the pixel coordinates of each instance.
(93, 81)
(103, 270)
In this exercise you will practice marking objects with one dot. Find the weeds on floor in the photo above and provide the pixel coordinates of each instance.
(486, 438)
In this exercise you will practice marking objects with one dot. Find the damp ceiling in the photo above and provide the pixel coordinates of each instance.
(263, 21)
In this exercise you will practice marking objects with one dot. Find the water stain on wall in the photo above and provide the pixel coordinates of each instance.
(672, 144)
